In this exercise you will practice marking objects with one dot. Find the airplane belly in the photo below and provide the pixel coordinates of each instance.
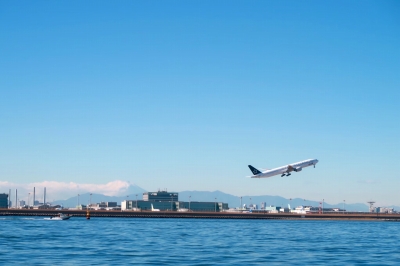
(263, 175)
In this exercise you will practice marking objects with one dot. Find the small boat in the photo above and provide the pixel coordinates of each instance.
(59, 216)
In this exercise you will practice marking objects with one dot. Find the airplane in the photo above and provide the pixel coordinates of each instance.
(154, 210)
(283, 170)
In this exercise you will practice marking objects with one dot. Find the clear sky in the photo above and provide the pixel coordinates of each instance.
(184, 95)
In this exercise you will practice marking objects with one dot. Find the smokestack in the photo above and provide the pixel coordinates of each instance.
(33, 196)
(44, 196)
(16, 198)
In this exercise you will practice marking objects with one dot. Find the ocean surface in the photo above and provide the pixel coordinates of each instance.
(124, 241)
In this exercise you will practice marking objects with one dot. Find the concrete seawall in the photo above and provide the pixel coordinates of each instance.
(202, 215)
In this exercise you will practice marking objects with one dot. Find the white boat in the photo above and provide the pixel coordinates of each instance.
(59, 217)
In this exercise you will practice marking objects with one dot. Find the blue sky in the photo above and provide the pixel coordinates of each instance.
(185, 94)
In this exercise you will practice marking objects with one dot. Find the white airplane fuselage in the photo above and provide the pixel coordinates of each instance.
(285, 170)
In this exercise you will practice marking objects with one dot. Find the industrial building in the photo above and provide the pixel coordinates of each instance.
(383, 210)
(169, 201)
(3, 200)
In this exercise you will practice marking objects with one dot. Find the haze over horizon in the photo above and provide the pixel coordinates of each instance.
(184, 95)
(67, 193)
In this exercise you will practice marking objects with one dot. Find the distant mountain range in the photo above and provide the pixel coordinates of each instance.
(95, 198)
(233, 201)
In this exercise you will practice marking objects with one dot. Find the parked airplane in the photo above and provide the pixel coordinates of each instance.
(299, 210)
(154, 210)
(283, 170)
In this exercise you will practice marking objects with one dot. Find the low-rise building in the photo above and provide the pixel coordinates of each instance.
(168, 201)
(273, 209)
(21, 203)
(384, 210)
(104, 205)
(81, 207)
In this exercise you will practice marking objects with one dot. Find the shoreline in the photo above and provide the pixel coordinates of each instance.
(204, 215)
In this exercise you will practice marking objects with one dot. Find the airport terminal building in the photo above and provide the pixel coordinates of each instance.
(169, 201)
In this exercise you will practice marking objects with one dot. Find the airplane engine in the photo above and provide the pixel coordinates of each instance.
(298, 169)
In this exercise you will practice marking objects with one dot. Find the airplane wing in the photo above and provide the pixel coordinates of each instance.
(289, 169)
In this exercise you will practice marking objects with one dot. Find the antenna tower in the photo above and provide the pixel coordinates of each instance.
(371, 206)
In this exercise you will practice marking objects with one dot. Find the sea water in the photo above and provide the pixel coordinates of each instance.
(123, 241)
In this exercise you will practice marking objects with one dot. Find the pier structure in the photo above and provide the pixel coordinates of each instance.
(202, 215)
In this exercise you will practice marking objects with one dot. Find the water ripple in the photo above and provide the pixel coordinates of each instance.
(109, 241)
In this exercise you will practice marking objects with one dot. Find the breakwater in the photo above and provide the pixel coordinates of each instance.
(201, 215)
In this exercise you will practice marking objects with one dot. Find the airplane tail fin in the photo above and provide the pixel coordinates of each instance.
(254, 170)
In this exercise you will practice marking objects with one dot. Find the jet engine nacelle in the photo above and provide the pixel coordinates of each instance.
(298, 169)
